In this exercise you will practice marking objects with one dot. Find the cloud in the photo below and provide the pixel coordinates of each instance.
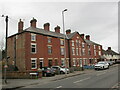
(98, 19)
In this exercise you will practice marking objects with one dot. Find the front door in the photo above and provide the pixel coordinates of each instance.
(41, 64)
(49, 63)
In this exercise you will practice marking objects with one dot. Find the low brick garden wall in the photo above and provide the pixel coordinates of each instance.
(22, 75)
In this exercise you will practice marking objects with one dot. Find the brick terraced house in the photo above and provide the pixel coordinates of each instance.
(34, 48)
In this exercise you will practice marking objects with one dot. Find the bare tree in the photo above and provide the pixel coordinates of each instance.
(2, 43)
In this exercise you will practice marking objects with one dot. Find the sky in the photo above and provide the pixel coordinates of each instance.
(99, 19)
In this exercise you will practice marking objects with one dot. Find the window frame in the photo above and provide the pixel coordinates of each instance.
(49, 49)
(73, 51)
(35, 48)
(62, 52)
(35, 59)
(33, 37)
(73, 44)
(49, 40)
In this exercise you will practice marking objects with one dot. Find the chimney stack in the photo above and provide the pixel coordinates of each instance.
(68, 31)
(57, 29)
(47, 26)
(20, 26)
(33, 23)
(88, 37)
(82, 35)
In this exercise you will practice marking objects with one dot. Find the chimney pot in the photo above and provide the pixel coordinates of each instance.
(33, 22)
(20, 26)
(82, 35)
(109, 48)
(68, 31)
(57, 29)
(88, 37)
(47, 26)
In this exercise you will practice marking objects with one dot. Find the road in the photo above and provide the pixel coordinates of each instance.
(98, 79)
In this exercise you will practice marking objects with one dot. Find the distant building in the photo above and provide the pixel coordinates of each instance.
(34, 48)
(111, 55)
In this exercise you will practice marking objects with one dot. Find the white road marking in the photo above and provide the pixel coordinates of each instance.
(59, 87)
(100, 74)
(81, 80)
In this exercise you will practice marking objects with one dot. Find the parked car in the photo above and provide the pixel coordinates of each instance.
(101, 65)
(62, 69)
(110, 63)
(46, 71)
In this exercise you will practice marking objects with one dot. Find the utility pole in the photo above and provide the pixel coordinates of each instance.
(64, 41)
(6, 58)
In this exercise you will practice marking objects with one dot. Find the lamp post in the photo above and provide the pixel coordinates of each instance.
(6, 58)
(64, 39)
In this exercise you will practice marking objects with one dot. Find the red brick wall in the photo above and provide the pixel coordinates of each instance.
(20, 50)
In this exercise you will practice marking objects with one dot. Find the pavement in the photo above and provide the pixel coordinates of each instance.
(20, 83)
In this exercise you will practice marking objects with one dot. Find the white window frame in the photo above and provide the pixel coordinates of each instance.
(83, 45)
(61, 41)
(94, 46)
(83, 51)
(80, 52)
(48, 49)
(33, 37)
(77, 43)
(77, 51)
(73, 52)
(81, 62)
(62, 62)
(62, 52)
(34, 62)
(73, 44)
(49, 38)
(35, 48)
(94, 52)
(99, 52)
(42, 60)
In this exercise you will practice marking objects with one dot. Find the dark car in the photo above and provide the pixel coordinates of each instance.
(46, 71)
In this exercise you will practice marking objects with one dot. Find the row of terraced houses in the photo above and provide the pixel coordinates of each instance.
(33, 48)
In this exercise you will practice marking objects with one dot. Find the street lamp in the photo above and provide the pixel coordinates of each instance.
(64, 39)
(6, 62)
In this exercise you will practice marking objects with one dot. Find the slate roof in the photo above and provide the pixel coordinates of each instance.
(91, 42)
(109, 52)
(44, 32)
(71, 35)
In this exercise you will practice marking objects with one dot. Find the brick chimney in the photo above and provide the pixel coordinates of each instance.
(33, 23)
(57, 29)
(82, 35)
(47, 26)
(68, 31)
(109, 48)
(88, 37)
(20, 26)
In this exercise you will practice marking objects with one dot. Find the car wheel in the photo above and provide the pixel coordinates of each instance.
(61, 72)
(103, 67)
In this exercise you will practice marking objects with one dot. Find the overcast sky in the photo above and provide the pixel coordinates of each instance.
(97, 19)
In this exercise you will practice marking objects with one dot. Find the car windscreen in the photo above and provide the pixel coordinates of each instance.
(101, 62)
